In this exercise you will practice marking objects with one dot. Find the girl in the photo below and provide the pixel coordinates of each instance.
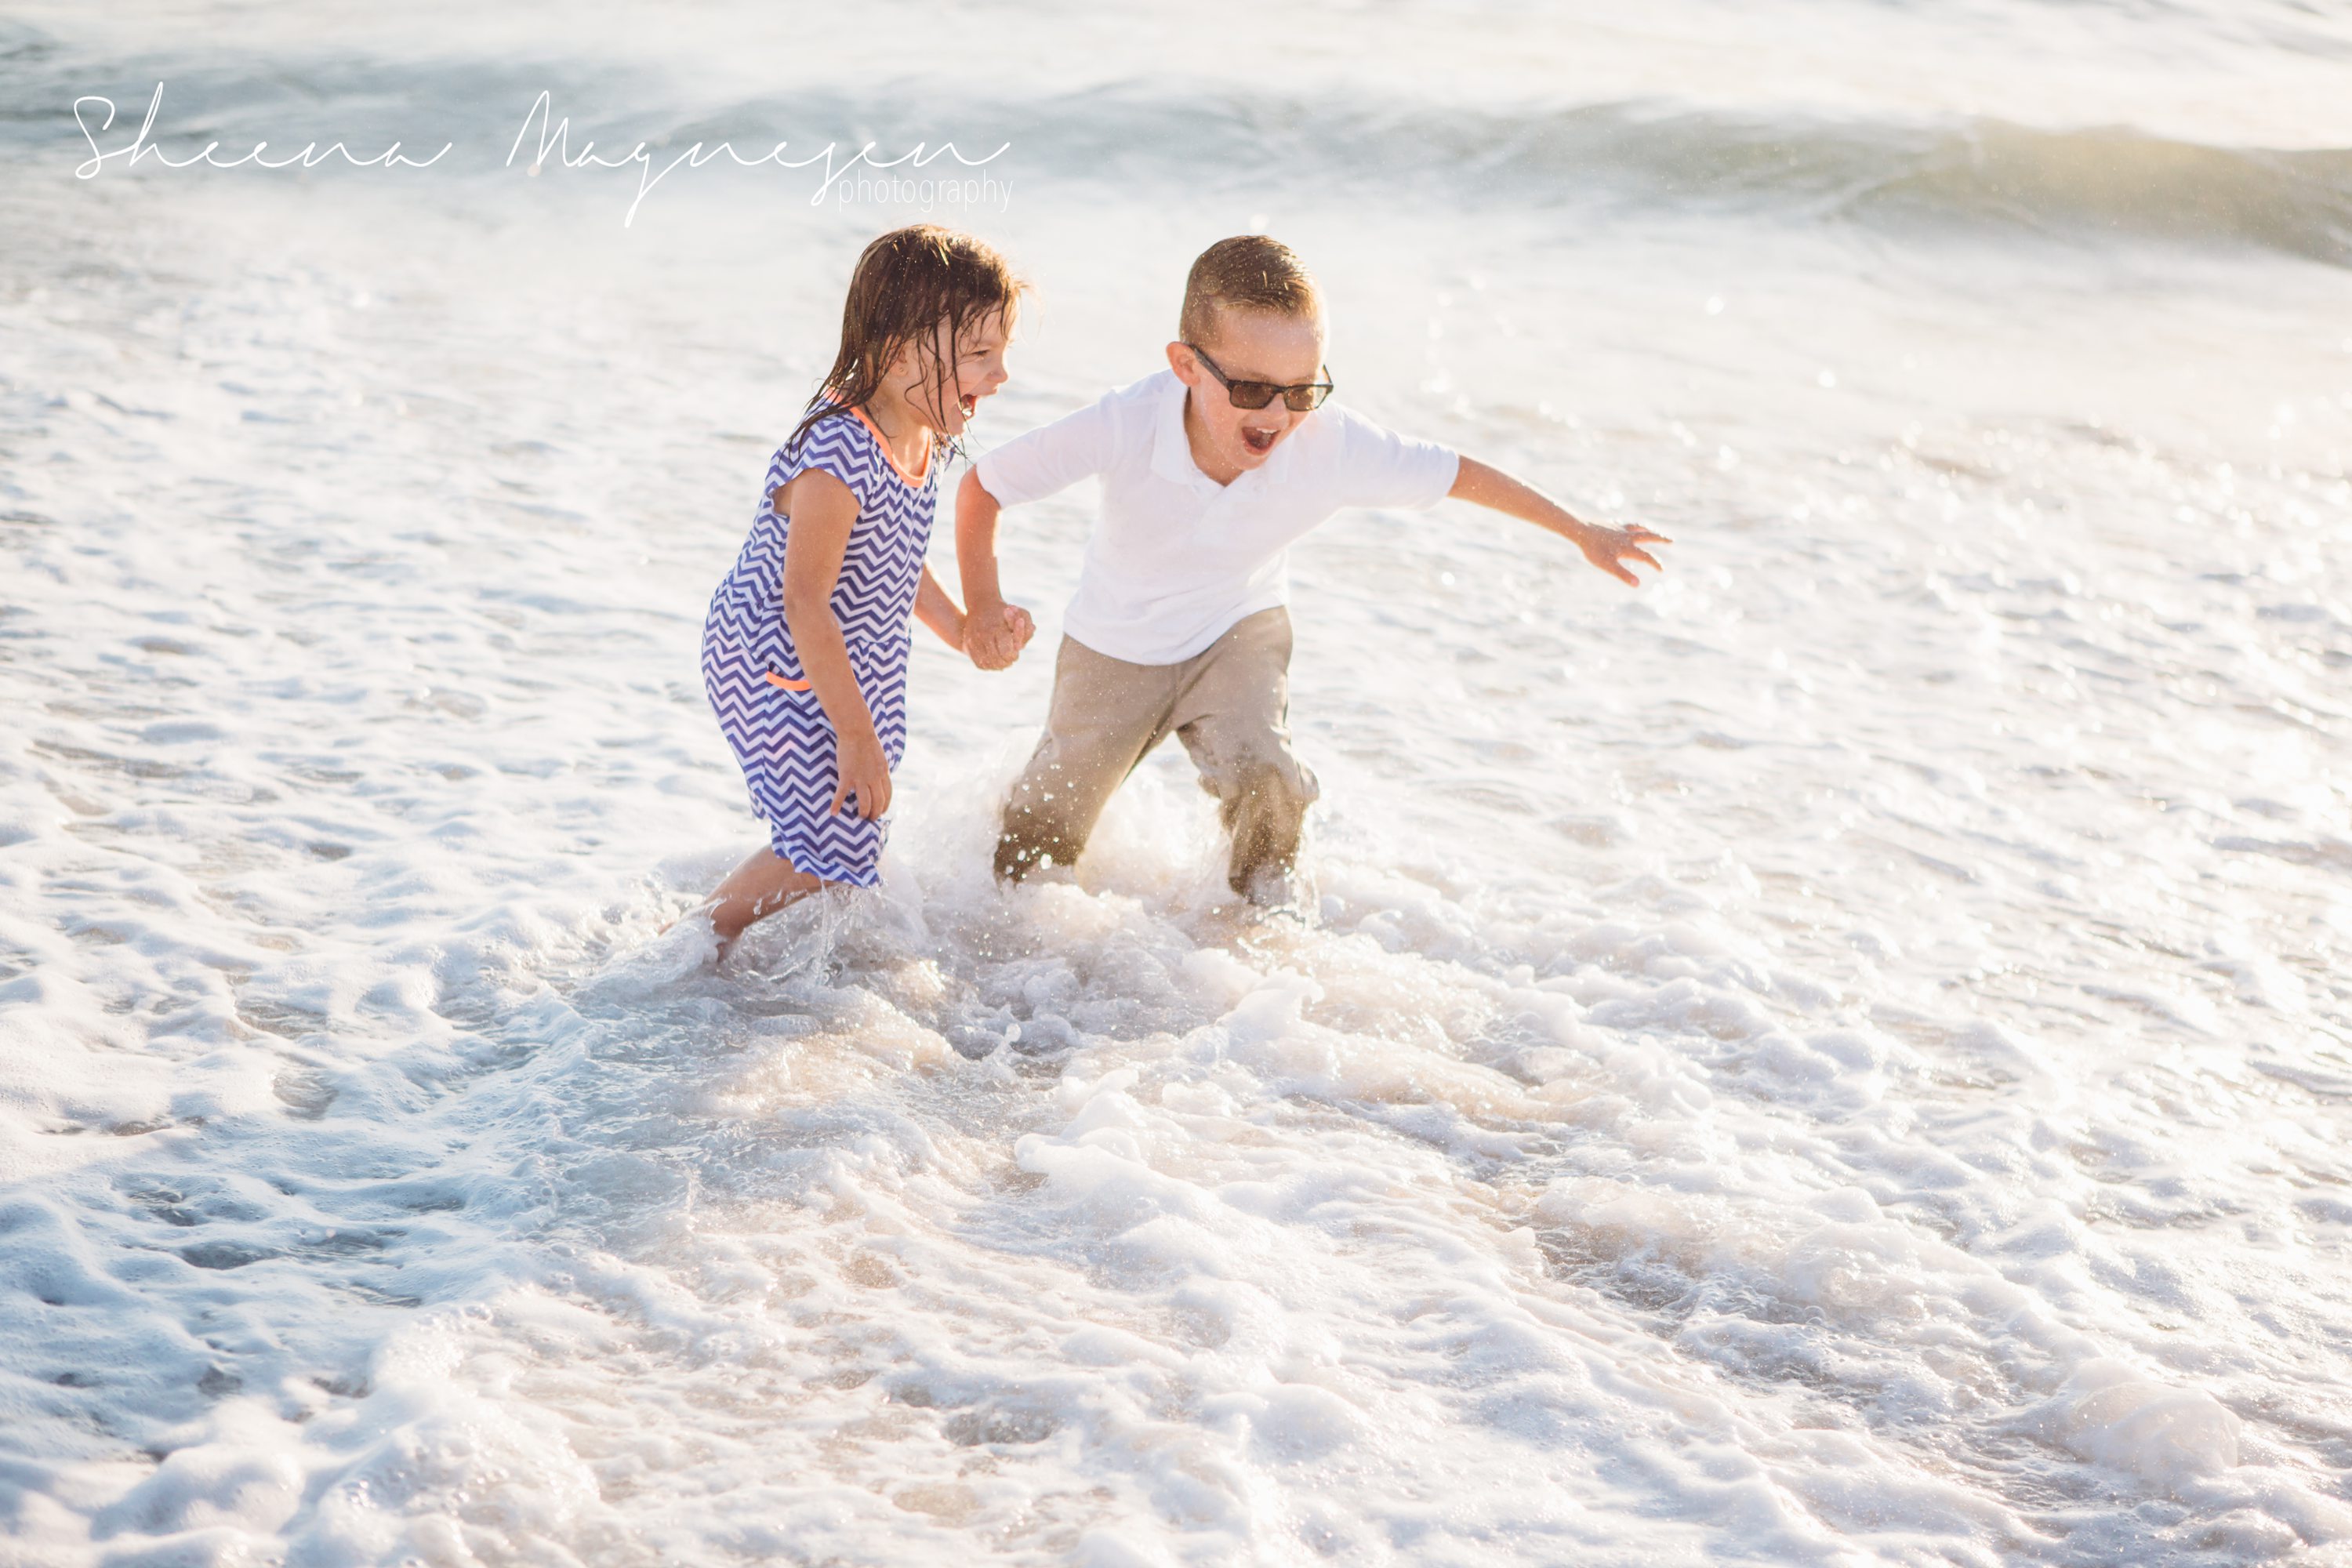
(805, 650)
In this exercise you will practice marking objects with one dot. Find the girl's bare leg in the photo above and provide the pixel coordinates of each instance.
(762, 885)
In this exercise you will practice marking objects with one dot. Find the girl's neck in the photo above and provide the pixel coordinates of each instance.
(909, 438)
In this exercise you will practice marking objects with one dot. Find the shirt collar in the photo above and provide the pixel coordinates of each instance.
(1172, 453)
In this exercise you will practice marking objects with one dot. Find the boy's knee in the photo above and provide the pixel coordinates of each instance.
(1265, 772)
(1030, 846)
(1041, 826)
(1298, 781)
(1016, 856)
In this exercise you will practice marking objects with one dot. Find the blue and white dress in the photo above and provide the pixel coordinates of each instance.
(778, 729)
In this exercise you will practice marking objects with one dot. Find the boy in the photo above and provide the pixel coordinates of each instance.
(1210, 469)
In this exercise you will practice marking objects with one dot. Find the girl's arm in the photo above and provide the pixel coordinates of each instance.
(1028, 467)
(937, 611)
(960, 631)
(992, 635)
(1607, 548)
(824, 512)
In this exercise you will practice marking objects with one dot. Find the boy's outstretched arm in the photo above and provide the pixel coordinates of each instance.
(1607, 548)
(993, 631)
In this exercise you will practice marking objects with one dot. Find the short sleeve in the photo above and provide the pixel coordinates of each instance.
(1381, 467)
(1050, 457)
(838, 445)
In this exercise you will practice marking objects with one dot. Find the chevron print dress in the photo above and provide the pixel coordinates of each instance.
(778, 729)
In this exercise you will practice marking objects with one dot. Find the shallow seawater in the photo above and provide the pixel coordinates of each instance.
(1841, 1055)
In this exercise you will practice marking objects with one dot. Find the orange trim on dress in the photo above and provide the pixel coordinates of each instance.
(775, 679)
(914, 478)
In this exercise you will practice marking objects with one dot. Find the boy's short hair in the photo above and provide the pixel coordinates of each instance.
(1247, 272)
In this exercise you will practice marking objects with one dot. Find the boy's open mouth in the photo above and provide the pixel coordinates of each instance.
(1260, 440)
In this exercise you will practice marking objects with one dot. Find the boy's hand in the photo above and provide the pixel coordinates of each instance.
(1482, 484)
(1610, 548)
(994, 636)
(866, 773)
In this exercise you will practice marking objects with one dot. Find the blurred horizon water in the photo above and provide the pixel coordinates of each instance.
(1840, 1054)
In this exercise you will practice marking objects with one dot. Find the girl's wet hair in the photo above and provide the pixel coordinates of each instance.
(906, 282)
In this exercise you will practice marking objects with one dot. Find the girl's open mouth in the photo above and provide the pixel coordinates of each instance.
(969, 403)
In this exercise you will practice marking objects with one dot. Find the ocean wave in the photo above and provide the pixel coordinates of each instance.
(2113, 182)
(1998, 178)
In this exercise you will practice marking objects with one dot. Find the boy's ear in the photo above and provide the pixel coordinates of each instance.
(1181, 361)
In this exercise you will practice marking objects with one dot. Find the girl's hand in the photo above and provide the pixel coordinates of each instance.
(1609, 548)
(866, 773)
(995, 636)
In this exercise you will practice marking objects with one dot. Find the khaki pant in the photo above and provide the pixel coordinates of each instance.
(1229, 705)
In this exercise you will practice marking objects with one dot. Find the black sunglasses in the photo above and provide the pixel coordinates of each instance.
(1304, 398)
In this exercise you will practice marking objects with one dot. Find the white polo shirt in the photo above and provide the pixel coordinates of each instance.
(1175, 558)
